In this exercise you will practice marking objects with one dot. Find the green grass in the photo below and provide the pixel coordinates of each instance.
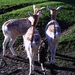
(16, 2)
(65, 17)
(67, 41)
(9, 5)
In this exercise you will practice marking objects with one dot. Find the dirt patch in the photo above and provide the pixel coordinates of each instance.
(9, 65)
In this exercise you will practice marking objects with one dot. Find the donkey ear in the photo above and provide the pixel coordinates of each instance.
(58, 8)
(49, 8)
(34, 7)
(42, 8)
(30, 14)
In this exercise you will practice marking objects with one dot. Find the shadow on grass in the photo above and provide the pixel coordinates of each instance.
(15, 72)
(71, 2)
(65, 57)
(15, 7)
(12, 73)
(2, 63)
(54, 67)
(18, 58)
(51, 67)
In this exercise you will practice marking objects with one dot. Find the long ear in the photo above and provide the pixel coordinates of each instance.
(58, 8)
(49, 8)
(42, 8)
(34, 7)
(30, 14)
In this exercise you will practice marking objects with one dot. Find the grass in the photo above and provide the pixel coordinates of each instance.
(9, 5)
(67, 43)
(65, 17)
